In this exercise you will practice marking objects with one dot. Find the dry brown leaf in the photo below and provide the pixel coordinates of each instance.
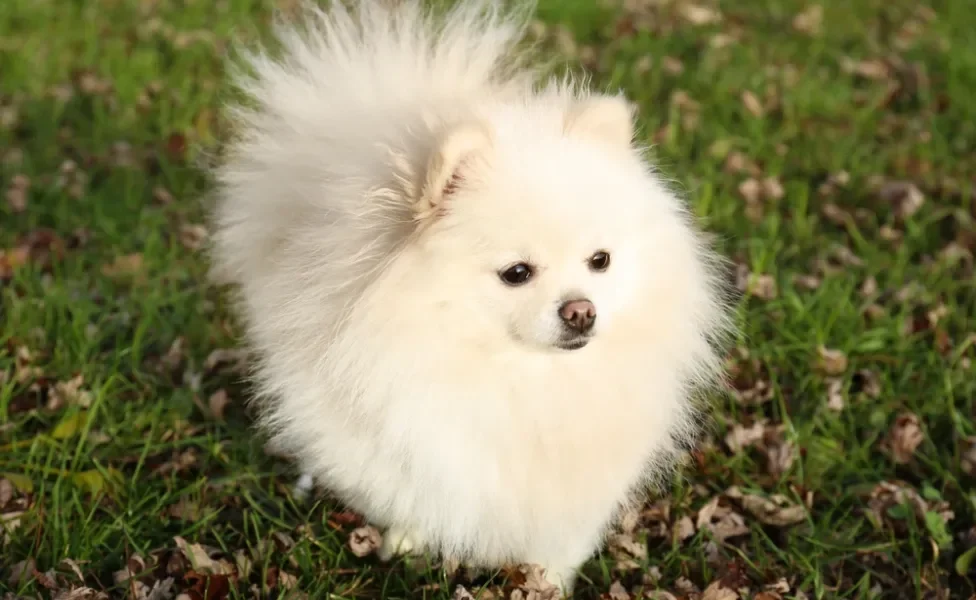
(777, 510)
(809, 282)
(772, 189)
(870, 287)
(780, 453)
(720, 520)
(904, 438)
(461, 593)
(659, 595)
(762, 286)
(82, 593)
(69, 393)
(127, 265)
(672, 65)
(17, 193)
(887, 494)
(21, 572)
(234, 358)
(752, 104)
(904, 197)
(618, 591)
(810, 20)
(699, 15)
(830, 361)
(193, 236)
(737, 162)
(751, 190)
(628, 552)
(363, 541)
(683, 529)
(835, 395)
(717, 591)
(741, 436)
(200, 559)
(6, 492)
(868, 69)
(218, 403)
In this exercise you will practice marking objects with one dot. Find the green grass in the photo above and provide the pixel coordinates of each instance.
(109, 108)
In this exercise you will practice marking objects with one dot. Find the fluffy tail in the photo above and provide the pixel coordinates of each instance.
(342, 83)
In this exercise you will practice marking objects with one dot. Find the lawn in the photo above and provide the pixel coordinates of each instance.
(830, 147)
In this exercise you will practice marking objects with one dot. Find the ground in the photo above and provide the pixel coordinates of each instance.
(829, 147)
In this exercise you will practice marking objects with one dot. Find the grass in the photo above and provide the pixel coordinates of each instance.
(122, 418)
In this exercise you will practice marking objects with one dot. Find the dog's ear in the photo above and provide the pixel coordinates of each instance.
(606, 118)
(454, 156)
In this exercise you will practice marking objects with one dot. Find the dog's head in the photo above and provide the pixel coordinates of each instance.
(542, 223)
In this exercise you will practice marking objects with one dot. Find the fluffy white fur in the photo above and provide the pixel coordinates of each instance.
(388, 164)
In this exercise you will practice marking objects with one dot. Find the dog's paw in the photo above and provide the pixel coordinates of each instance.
(399, 542)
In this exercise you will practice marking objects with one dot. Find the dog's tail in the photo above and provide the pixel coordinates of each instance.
(338, 84)
(380, 57)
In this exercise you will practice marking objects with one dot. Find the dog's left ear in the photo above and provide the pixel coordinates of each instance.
(450, 164)
(606, 118)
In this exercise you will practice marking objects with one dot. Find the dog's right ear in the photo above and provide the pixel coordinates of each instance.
(451, 163)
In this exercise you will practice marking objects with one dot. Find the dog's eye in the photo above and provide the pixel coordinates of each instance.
(517, 274)
(600, 261)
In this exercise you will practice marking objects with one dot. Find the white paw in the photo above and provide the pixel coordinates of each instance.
(399, 542)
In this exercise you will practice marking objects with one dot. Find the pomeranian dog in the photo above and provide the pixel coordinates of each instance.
(479, 317)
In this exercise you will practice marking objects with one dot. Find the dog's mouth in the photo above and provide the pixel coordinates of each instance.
(573, 344)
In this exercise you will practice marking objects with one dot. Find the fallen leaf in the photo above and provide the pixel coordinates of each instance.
(904, 438)
(536, 585)
(752, 104)
(618, 591)
(363, 541)
(192, 236)
(21, 571)
(777, 510)
(201, 560)
(672, 65)
(904, 197)
(17, 193)
(717, 591)
(721, 520)
(888, 496)
(699, 15)
(82, 593)
(68, 393)
(461, 593)
(830, 361)
(762, 286)
(772, 189)
(868, 69)
(835, 396)
(72, 566)
(810, 20)
(683, 529)
(751, 190)
(218, 403)
(127, 265)
(742, 436)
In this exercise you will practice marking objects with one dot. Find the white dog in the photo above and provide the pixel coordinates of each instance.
(479, 318)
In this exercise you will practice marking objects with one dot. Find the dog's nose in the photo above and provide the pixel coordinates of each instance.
(578, 315)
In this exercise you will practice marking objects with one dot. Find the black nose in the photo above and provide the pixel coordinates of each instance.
(578, 315)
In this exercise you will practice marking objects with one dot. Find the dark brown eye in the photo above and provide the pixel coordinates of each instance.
(517, 274)
(600, 261)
